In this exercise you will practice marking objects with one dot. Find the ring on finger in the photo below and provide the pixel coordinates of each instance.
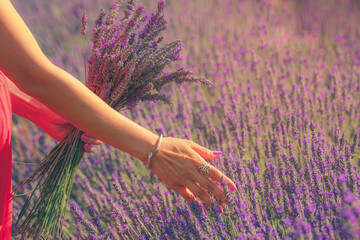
(204, 169)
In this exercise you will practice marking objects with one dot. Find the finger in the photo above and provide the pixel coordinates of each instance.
(88, 148)
(201, 194)
(187, 195)
(217, 175)
(204, 152)
(212, 187)
(90, 140)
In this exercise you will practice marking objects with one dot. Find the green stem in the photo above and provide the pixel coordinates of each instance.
(55, 185)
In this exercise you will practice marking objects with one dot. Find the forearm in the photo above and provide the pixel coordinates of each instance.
(77, 104)
(23, 61)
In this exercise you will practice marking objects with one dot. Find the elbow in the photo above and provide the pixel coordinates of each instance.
(33, 80)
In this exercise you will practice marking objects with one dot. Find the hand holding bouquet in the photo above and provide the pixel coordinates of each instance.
(126, 66)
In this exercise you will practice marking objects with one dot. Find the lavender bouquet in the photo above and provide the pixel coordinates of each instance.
(127, 66)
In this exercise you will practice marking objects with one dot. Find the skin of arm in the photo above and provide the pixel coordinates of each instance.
(22, 60)
(33, 110)
(24, 63)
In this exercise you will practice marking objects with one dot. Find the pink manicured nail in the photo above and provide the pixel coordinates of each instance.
(84, 137)
(232, 188)
(217, 152)
(88, 146)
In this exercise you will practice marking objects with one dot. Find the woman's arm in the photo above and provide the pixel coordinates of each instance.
(33, 110)
(22, 60)
(176, 163)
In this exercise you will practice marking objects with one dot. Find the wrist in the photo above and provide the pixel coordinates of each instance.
(149, 145)
(150, 155)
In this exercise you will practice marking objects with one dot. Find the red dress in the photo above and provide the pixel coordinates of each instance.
(5, 160)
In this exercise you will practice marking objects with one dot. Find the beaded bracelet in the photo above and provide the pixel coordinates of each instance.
(156, 151)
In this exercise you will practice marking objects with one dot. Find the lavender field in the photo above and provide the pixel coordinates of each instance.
(284, 109)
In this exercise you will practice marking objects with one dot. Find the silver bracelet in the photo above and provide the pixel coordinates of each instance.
(156, 151)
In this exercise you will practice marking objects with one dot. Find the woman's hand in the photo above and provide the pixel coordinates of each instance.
(58, 128)
(176, 164)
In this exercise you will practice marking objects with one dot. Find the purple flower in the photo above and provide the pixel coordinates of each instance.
(342, 178)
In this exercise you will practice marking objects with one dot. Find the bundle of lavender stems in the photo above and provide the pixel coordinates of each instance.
(127, 66)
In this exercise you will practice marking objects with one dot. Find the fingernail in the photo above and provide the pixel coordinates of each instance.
(84, 137)
(217, 152)
(232, 188)
(88, 146)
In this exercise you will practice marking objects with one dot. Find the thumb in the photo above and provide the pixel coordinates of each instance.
(204, 152)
